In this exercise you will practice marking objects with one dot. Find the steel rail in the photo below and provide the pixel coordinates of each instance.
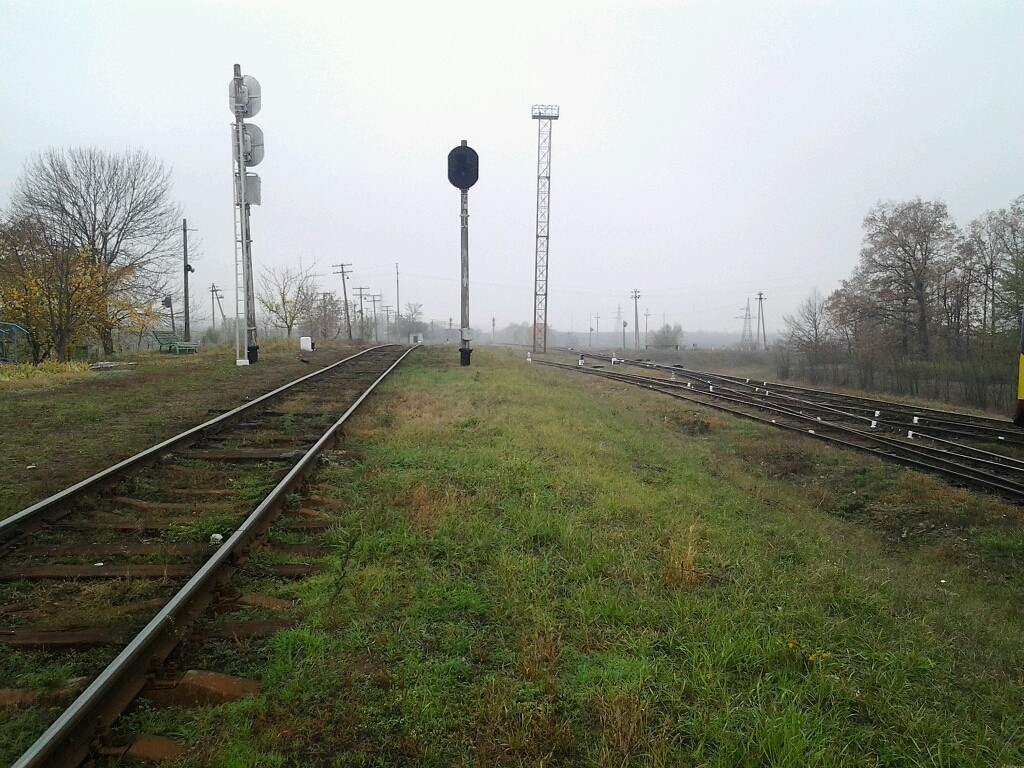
(935, 454)
(951, 422)
(74, 730)
(872, 403)
(942, 462)
(16, 522)
(920, 431)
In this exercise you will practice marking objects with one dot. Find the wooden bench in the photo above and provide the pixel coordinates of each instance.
(173, 343)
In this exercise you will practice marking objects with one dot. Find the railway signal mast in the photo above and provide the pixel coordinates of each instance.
(247, 150)
(543, 114)
(463, 172)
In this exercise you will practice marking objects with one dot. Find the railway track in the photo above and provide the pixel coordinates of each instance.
(164, 533)
(958, 447)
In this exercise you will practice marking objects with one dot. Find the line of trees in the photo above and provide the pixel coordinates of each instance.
(88, 246)
(292, 301)
(932, 308)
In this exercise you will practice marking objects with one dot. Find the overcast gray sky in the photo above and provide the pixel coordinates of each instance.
(706, 151)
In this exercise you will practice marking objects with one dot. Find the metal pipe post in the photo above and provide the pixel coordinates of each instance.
(464, 348)
(184, 245)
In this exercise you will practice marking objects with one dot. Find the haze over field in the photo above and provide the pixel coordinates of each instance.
(705, 151)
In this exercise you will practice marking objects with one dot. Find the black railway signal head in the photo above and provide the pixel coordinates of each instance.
(463, 167)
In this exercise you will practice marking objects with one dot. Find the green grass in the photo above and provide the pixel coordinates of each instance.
(538, 568)
(62, 424)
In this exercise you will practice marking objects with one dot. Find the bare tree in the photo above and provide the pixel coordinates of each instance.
(667, 336)
(907, 248)
(324, 316)
(411, 321)
(808, 329)
(115, 207)
(982, 245)
(1008, 229)
(414, 312)
(287, 295)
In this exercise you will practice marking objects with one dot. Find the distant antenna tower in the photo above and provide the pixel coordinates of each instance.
(543, 114)
(747, 340)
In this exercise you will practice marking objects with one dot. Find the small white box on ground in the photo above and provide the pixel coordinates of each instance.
(306, 343)
(242, 361)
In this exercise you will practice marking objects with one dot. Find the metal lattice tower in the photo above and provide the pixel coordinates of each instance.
(747, 340)
(543, 114)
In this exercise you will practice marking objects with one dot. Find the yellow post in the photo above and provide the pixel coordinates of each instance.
(1018, 417)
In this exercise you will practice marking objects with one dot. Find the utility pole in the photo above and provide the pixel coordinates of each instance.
(375, 298)
(215, 295)
(188, 268)
(361, 290)
(647, 333)
(590, 337)
(597, 327)
(398, 301)
(493, 321)
(387, 321)
(763, 337)
(635, 295)
(344, 294)
(624, 324)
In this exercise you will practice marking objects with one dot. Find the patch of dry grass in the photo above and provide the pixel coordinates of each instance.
(681, 567)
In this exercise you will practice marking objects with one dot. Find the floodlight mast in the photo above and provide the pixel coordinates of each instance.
(544, 114)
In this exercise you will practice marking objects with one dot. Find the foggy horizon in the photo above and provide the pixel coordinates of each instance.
(704, 151)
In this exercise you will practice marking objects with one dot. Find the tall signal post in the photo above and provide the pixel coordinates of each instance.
(463, 172)
(247, 144)
(543, 114)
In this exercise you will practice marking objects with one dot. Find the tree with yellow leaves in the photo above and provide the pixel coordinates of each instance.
(117, 209)
(57, 294)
